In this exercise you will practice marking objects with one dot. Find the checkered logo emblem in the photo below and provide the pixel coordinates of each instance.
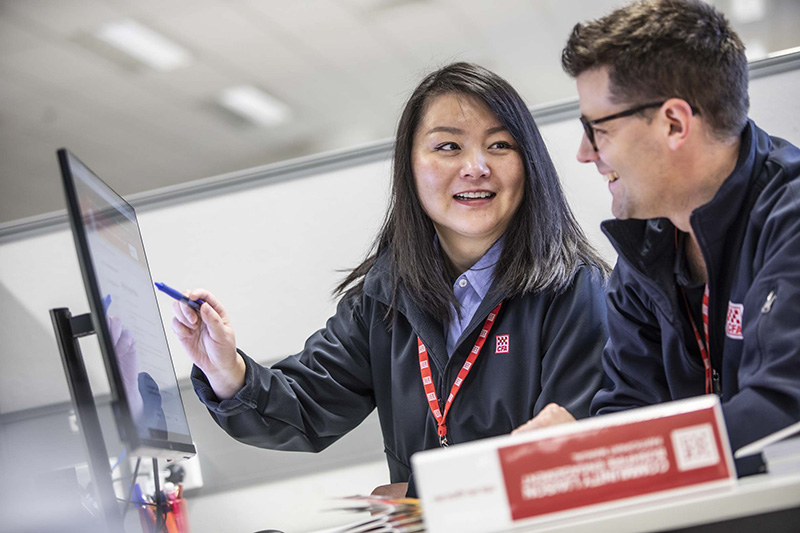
(501, 343)
(733, 325)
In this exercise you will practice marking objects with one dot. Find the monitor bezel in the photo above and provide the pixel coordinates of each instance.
(128, 431)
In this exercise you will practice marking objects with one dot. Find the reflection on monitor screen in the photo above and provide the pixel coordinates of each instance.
(147, 400)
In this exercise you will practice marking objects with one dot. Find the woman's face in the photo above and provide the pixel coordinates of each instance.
(468, 172)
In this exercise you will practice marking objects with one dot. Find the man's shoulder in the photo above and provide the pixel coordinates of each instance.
(780, 175)
(783, 158)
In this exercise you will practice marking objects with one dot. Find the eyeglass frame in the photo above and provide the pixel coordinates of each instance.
(588, 124)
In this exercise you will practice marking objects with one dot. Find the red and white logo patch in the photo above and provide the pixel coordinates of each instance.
(733, 326)
(501, 343)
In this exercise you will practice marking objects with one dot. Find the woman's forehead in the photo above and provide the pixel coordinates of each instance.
(454, 110)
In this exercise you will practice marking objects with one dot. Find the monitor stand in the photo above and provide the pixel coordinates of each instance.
(68, 329)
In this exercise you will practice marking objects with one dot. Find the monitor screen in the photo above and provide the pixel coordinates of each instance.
(145, 394)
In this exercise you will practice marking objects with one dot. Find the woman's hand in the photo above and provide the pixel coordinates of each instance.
(209, 340)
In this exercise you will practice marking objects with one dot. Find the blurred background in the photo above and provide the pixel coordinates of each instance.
(180, 90)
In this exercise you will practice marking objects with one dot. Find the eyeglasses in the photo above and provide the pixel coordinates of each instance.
(588, 124)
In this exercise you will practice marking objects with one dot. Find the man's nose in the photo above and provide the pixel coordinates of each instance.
(586, 152)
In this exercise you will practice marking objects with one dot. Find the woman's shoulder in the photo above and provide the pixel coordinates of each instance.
(377, 281)
(591, 272)
(588, 279)
(587, 282)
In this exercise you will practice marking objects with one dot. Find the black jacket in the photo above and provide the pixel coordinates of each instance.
(750, 238)
(362, 360)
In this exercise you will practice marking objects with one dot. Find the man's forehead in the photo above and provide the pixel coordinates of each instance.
(594, 94)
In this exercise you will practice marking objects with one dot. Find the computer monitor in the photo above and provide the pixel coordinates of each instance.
(146, 399)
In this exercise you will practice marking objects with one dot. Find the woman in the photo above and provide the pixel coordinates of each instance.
(478, 236)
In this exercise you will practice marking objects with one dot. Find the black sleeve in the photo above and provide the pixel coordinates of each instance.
(633, 362)
(308, 400)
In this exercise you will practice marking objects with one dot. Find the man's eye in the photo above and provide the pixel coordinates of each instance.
(447, 147)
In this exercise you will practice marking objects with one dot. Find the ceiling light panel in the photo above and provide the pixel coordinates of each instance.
(255, 105)
(144, 44)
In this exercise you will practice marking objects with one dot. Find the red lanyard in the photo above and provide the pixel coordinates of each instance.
(427, 380)
(711, 376)
(704, 353)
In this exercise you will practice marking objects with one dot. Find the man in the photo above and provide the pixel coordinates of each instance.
(707, 224)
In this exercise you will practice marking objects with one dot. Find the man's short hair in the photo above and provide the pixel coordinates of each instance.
(660, 49)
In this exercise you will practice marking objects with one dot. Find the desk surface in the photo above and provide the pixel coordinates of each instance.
(748, 496)
(754, 495)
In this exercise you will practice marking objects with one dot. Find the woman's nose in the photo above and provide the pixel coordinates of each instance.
(475, 166)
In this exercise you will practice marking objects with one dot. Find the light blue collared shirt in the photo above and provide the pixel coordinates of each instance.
(470, 289)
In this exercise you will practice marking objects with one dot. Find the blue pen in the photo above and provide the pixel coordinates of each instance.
(166, 289)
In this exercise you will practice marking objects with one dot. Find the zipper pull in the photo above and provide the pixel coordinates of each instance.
(443, 436)
(767, 307)
(716, 383)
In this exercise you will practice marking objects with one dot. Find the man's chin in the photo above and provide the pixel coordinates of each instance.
(620, 213)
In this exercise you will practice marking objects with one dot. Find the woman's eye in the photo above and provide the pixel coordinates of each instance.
(502, 145)
(447, 147)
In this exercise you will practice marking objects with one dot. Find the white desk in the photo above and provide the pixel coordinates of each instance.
(749, 496)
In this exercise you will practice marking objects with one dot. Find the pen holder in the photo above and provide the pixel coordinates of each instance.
(168, 515)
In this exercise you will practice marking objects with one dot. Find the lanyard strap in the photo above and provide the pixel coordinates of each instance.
(704, 351)
(427, 379)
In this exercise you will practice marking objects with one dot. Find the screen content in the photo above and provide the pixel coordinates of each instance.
(130, 309)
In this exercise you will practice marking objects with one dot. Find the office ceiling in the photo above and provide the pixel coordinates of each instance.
(343, 67)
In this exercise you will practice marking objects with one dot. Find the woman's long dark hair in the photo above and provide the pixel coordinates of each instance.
(543, 243)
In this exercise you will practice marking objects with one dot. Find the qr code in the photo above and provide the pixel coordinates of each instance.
(695, 447)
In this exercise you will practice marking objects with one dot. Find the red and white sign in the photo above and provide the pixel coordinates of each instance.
(733, 325)
(611, 463)
(574, 470)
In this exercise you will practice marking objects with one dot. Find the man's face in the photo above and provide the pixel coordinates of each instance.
(630, 150)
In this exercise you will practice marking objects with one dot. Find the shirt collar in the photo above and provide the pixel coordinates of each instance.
(481, 275)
